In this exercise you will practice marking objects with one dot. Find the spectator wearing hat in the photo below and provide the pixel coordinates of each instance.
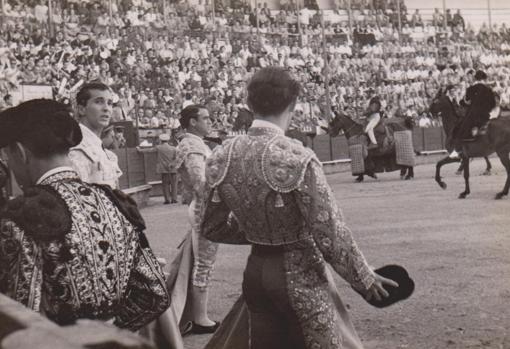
(89, 158)
(166, 158)
(89, 238)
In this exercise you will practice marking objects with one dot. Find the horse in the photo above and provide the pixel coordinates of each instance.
(496, 139)
(375, 159)
(450, 116)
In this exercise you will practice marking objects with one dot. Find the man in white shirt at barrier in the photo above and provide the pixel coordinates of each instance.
(89, 158)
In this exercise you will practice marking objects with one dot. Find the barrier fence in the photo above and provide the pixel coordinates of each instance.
(139, 167)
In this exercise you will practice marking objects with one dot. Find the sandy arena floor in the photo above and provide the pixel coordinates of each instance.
(457, 251)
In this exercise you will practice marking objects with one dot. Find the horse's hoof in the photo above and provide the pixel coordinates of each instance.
(458, 173)
(442, 185)
(359, 179)
(402, 177)
(409, 177)
(463, 195)
(486, 173)
(499, 196)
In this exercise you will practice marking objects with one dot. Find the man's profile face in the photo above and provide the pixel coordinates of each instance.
(202, 123)
(98, 110)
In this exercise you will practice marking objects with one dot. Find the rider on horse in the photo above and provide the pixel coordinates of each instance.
(479, 100)
(374, 117)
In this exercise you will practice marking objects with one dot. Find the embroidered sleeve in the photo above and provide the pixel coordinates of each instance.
(20, 266)
(147, 296)
(332, 236)
(218, 222)
(195, 166)
(81, 164)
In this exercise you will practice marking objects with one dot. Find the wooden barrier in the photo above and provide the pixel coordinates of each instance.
(139, 167)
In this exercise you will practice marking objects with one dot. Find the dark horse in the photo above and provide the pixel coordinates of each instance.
(450, 116)
(496, 139)
(353, 129)
(244, 120)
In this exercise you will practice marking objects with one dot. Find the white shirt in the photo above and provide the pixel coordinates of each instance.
(267, 124)
(92, 162)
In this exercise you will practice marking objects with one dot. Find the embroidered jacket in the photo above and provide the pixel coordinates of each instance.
(93, 163)
(192, 153)
(265, 188)
(73, 250)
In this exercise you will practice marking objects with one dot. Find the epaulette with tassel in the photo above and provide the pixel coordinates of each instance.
(284, 164)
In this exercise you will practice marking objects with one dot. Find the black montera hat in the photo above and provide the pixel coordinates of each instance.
(404, 290)
(43, 122)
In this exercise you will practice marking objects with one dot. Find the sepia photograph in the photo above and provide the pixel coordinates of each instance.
(254, 174)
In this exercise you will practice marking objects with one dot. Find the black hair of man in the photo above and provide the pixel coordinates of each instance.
(271, 90)
(480, 75)
(83, 95)
(375, 100)
(44, 126)
(190, 112)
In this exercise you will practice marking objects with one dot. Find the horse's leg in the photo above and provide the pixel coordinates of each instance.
(467, 191)
(489, 167)
(370, 167)
(505, 160)
(371, 174)
(410, 173)
(403, 172)
(460, 169)
(440, 163)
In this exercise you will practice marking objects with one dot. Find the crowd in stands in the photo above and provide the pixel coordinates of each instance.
(161, 56)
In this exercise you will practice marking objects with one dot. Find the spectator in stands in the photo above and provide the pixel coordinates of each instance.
(416, 19)
(458, 20)
(437, 18)
(41, 12)
(7, 102)
(189, 65)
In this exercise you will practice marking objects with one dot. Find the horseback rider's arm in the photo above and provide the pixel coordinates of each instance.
(332, 236)
(468, 98)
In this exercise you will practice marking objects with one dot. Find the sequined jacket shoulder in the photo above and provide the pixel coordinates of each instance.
(256, 174)
(265, 189)
(190, 145)
(73, 250)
